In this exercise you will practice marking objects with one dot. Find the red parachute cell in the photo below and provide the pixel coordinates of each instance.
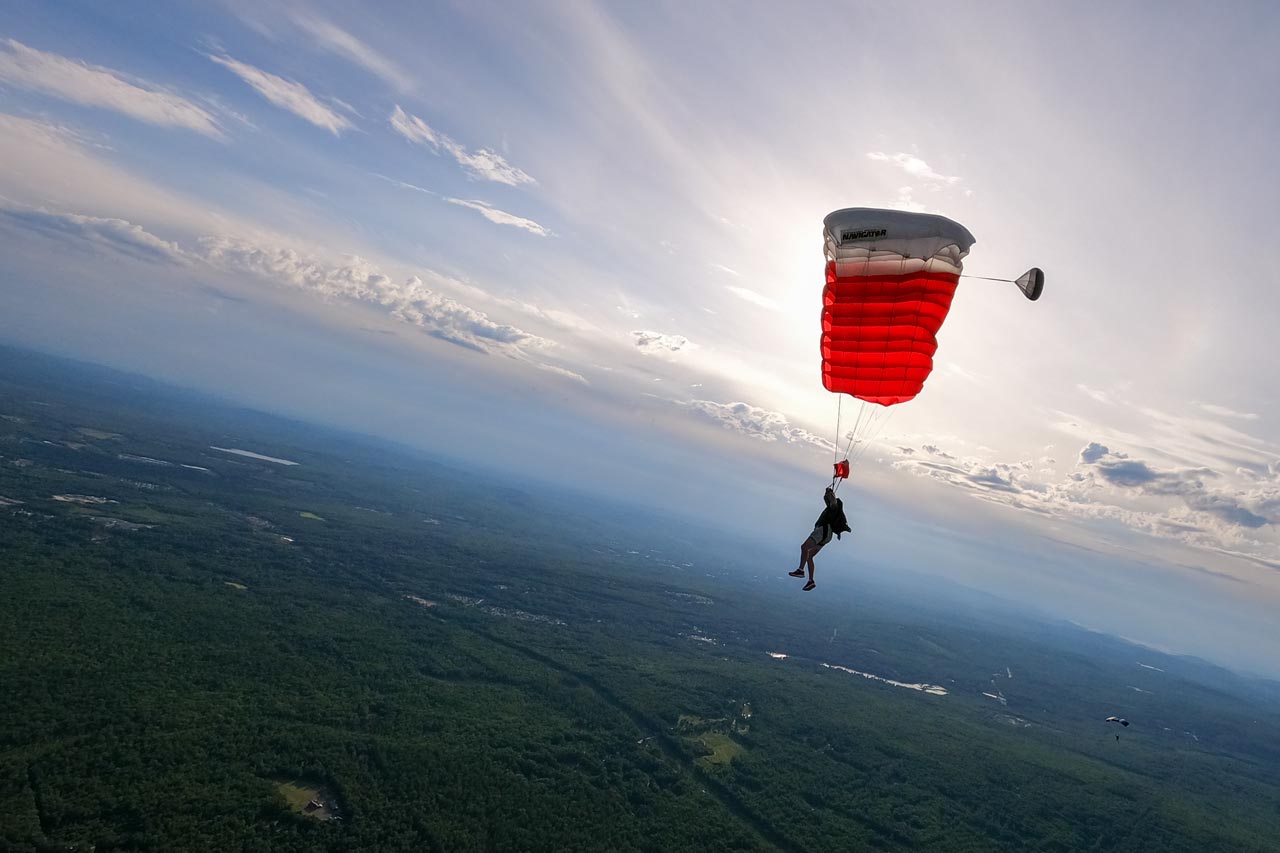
(879, 333)
(891, 276)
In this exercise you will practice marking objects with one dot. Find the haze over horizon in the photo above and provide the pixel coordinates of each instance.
(583, 242)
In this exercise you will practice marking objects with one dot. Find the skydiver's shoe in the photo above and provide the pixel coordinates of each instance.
(798, 573)
(810, 585)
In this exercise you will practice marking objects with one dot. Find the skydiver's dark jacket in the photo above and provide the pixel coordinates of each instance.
(833, 518)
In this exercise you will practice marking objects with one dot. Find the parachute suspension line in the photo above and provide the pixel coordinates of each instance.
(861, 441)
(835, 446)
(879, 428)
(858, 427)
(869, 431)
(853, 433)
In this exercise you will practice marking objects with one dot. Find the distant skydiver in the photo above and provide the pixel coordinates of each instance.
(1120, 721)
(832, 521)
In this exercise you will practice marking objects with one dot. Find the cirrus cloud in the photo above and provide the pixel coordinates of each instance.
(286, 94)
(752, 297)
(482, 163)
(1223, 411)
(501, 217)
(913, 166)
(95, 86)
(333, 39)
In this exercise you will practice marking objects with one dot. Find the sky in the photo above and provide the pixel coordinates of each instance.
(582, 242)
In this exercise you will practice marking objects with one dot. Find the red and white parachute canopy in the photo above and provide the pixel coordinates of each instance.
(891, 276)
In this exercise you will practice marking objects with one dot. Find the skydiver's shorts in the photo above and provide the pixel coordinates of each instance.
(819, 537)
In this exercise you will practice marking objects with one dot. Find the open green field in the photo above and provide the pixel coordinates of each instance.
(297, 793)
(723, 748)
(306, 797)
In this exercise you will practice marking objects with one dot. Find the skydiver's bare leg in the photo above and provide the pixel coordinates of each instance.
(812, 552)
(804, 555)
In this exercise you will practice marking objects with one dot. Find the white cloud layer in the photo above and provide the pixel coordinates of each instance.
(114, 235)
(357, 279)
(754, 422)
(657, 343)
(287, 94)
(410, 301)
(71, 80)
(1230, 512)
(482, 163)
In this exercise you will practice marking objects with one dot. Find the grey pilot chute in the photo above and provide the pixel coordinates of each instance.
(1031, 283)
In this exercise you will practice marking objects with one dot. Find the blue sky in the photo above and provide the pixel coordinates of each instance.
(583, 241)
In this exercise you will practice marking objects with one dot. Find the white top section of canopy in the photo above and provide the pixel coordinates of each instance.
(867, 240)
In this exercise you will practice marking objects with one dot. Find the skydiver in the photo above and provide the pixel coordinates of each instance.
(831, 521)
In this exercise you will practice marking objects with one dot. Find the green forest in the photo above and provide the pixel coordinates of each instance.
(370, 650)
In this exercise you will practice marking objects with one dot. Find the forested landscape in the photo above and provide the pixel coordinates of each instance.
(214, 619)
